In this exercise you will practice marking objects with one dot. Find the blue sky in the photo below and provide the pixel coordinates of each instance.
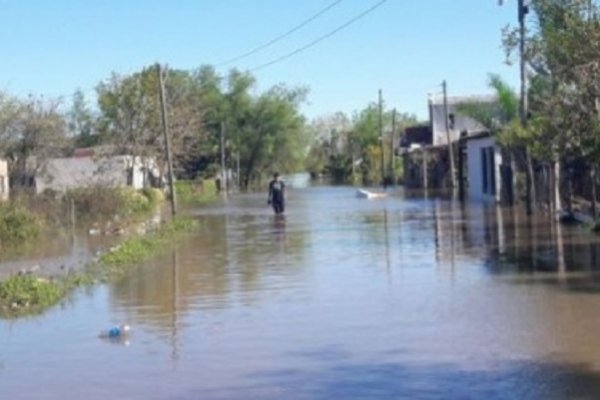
(405, 47)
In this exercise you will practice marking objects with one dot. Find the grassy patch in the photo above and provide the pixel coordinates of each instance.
(25, 294)
(196, 192)
(140, 248)
(17, 225)
(100, 202)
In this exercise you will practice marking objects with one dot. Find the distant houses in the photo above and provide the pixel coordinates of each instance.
(477, 156)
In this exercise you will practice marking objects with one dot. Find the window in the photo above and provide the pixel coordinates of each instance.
(484, 170)
(492, 170)
(488, 171)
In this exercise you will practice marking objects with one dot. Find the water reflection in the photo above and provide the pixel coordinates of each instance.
(231, 260)
(408, 297)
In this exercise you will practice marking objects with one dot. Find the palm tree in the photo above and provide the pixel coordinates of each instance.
(502, 119)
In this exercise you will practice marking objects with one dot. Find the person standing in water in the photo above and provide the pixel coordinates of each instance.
(277, 194)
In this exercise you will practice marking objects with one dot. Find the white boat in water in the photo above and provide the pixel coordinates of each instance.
(365, 194)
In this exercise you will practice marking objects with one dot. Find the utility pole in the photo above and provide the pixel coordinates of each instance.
(165, 126)
(450, 145)
(523, 10)
(223, 170)
(393, 153)
(237, 175)
(529, 190)
(381, 138)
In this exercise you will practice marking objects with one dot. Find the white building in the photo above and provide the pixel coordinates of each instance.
(3, 180)
(457, 122)
(62, 174)
(484, 157)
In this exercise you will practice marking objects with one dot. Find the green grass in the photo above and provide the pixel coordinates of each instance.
(17, 225)
(25, 294)
(197, 192)
(135, 250)
(22, 295)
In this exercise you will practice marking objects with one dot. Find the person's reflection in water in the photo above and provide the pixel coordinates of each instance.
(279, 228)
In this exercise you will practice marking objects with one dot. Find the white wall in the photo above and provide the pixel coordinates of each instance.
(3, 180)
(475, 169)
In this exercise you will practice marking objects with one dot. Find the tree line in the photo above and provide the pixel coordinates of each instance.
(555, 153)
(263, 131)
(359, 149)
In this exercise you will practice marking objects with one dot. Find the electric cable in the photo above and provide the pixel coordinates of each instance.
(320, 38)
(282, 36)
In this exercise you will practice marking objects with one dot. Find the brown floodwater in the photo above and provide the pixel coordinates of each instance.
(404, 297)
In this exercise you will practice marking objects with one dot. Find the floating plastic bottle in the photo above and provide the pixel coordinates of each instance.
(116, 332)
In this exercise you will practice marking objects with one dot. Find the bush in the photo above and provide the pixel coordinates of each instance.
(95, 202)
(155, 196)
(101, 202)
(17, 224)
(196, 192)
(25, 294)
(133, 202)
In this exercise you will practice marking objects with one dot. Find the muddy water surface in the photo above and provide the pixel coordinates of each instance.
(403, 297)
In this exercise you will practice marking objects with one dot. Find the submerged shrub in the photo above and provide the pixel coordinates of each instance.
(102, 202)
(138, 248)
(133, 201)
(25, 294)
(154, 195)
(196, 191)
(17, 224)
(95, 201)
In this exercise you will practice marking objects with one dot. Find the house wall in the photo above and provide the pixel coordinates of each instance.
(62, 174)
(476, 169)
(3, 180)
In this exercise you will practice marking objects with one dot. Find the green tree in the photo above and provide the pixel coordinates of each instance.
(564, 76)
(31, 130)
(81, 122)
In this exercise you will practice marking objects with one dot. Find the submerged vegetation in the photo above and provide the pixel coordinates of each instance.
(140, 248)
(17, 225)
(27, 294)
(196, 192)
(98, 202)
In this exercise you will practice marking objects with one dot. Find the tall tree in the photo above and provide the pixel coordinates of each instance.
(31, 130)
(81, 122)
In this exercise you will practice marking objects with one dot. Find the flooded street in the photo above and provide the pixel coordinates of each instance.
(401, 297)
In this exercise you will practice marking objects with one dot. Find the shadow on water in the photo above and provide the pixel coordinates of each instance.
(334, 375)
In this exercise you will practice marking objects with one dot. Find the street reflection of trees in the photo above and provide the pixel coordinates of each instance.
(509, 241)
(512, 242)
(229, 259)
(198, 268)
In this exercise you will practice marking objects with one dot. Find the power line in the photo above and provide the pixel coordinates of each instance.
(282, 36)
(321, 38)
